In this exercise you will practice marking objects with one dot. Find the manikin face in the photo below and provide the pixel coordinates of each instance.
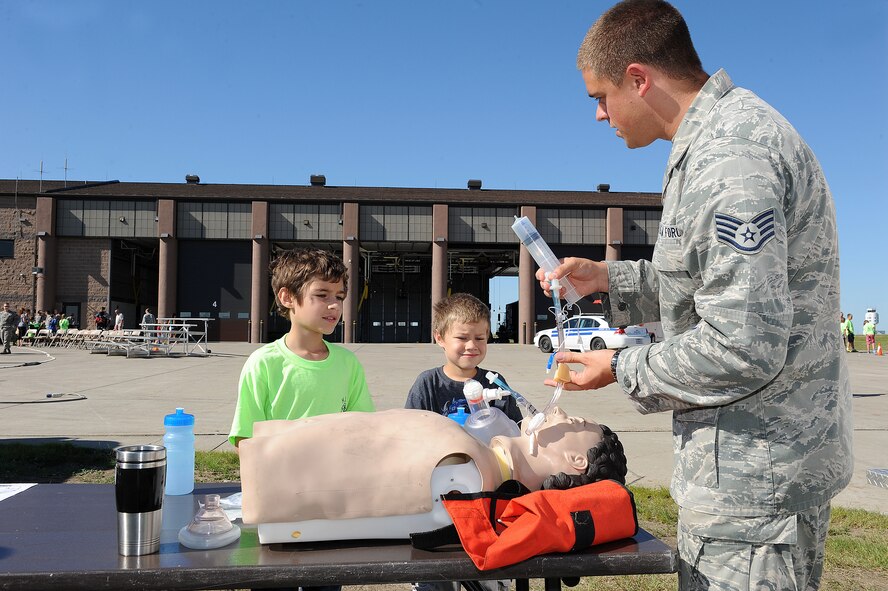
(623, 108)
(465, 345)
(321, 306)
(559, 445)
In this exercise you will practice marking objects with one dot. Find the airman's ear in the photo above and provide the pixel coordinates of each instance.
(577, 461)
(639, 76)
(439, 338)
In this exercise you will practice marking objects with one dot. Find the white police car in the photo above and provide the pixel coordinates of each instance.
(594, 333)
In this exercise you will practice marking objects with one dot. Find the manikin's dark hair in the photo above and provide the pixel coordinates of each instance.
(606, 462)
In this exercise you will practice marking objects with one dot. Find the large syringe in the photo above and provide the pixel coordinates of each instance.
(543, 255)
(548, 262)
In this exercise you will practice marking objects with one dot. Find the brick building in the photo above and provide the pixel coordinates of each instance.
(201, 250)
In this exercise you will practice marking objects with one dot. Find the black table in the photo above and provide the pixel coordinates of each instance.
(64, 536)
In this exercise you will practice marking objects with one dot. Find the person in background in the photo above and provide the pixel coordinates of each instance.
(869, 332)
(8, 324)
(743, 274)
(118, 319)
(148, 320)
(849, 333)
(102, 319)
(22, 325)
(52, 324)
(843, 330)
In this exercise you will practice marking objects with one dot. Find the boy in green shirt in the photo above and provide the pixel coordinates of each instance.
(849, 333)
(300, 375)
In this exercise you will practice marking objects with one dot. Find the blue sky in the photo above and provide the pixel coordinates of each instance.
(417, 93)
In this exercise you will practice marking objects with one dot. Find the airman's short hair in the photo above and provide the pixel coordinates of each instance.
(650, 32)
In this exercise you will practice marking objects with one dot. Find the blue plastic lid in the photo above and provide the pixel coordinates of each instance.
(459, 416)
(180, 419)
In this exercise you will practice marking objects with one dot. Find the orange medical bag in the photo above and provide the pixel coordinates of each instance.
(500, 528)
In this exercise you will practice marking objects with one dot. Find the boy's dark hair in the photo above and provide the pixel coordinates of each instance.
(650, 32)
(607, 461)
(459, 307)
(295, 268)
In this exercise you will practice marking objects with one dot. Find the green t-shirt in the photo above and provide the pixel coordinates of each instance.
(64, 324)
(849, 326)
(275, 383)
(869, 328)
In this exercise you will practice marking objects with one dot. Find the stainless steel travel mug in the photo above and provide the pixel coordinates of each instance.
(138, 486)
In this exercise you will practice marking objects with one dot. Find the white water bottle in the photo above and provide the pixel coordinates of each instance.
(178, 440)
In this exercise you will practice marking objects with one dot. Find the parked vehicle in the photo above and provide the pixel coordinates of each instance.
(594, 333)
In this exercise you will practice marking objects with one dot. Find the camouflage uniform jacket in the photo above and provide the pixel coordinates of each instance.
(745, 280)
(9, 319)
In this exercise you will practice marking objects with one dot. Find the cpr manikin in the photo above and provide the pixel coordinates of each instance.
(380, 475)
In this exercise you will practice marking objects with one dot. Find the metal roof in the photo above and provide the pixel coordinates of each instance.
(392, 195)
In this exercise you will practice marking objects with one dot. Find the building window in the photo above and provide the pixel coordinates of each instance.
(481, 224)
(572, 226)
(7, 249)
(396, 223)
(120, 219)
(640, 226)
(304, 221)
(213, 220)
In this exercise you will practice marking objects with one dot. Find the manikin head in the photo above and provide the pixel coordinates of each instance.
(563, 453)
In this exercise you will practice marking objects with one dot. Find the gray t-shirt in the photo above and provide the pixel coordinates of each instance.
(434, 391)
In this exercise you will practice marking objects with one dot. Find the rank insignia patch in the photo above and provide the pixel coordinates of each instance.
(748, 237)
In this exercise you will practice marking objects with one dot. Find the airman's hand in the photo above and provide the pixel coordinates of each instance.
(596, 372)
(586, 276)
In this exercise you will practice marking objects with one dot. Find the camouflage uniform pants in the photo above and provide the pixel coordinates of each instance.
(7, 336)
(741, 554)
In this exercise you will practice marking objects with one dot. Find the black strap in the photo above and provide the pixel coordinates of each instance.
(584, 529)
(447, 535)
(507, 491)
(429, 540)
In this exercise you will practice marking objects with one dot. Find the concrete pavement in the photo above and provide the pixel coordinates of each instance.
(109, 401)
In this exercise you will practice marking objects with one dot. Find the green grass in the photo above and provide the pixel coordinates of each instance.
(62, 462)
(856, 549)
(881, 339)
(857, 539)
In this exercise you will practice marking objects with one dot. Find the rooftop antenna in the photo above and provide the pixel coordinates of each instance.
(66, 171)
(40, 186)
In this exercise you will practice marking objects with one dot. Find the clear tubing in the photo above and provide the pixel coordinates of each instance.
(560, 317)
(542, 254)
(556, 299)
(550, 407)
(559, 314)
(495, 379)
